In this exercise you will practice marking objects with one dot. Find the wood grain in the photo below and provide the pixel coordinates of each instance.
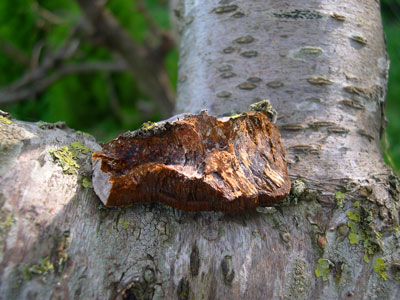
(198, 163)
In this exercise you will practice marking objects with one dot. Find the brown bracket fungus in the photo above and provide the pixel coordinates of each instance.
(196, 163)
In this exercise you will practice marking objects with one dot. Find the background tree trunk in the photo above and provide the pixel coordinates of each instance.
(323, 65)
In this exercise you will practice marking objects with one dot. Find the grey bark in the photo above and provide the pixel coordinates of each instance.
(323, 65)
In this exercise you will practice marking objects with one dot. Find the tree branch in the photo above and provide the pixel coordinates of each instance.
(47, 15)
(154, 28)
(36, 52)
(49, 62)
(14, 53)
(144, 65)
(113, 96)
(29, 88)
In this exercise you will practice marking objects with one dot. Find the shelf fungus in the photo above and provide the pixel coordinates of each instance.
(196, 163)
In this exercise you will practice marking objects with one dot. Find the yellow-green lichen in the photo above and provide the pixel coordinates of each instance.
(380, 268)
(339, 199)
(42, 268)
(77, 147)
(361, 230)
(67, 156)
(235, 116)
(265, 107)
(125, 224)
(354, 236)
(7, 222)
(65, 160)
(49, 126)
(5, 120)
(87, 183)
(147, 125)
(149, 129)
(85, 134)
(323, 268)
(366, 258)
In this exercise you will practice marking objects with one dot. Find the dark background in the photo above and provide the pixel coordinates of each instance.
(105, 103)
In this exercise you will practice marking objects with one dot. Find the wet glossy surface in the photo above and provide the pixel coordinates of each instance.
(199, 163)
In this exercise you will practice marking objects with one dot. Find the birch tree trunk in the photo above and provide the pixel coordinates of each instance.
(324, 67)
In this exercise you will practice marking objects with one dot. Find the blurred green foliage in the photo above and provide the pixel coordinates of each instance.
(73, 98)
(391, 23)
(81, 100)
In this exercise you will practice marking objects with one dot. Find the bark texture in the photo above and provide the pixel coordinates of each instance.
(312, 65)
(323, 65)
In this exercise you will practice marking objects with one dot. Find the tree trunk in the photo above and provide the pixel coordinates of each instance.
(324, 67)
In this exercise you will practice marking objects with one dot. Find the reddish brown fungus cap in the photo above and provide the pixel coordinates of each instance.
(198, 163)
